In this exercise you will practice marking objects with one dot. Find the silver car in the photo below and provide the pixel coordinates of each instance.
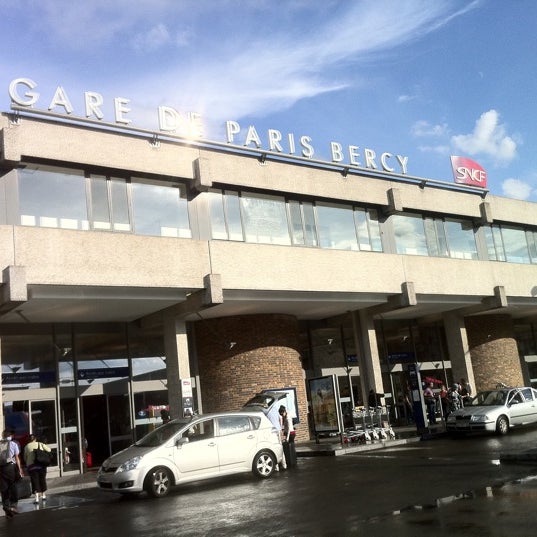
(187, 449)
(495, 411)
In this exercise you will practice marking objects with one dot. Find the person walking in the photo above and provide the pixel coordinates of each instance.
(288, 437)
(36, 469)
(10, 473)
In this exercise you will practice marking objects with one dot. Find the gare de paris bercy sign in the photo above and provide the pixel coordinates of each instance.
(23, 94)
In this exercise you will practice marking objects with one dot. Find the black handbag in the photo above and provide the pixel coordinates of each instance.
(42, 457)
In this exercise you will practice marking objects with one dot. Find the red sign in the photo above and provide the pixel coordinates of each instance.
(468, 172)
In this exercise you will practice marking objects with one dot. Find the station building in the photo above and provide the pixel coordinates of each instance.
(144, 271)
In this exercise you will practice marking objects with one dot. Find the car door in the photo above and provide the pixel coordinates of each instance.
(197, 451)
(237, 442)
(519, 408)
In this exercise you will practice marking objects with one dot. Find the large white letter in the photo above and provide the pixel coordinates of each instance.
(120, 109)
(403, 161)
(354, 155)
(93, 102)
(168, 118)
(275, 137)
(337, 152)
(370, 156)
(16, 98)
(60, 99)
(307, 151)
(252, 136)
(384, 161)
(232, 128)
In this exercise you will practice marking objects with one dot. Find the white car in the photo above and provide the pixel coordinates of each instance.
(191, 449)
(495, 411)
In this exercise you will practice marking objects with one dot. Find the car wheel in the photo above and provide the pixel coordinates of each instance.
(158, 482)
(264, 464)
(502, 425)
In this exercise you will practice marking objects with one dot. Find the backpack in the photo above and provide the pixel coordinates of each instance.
(4, 452)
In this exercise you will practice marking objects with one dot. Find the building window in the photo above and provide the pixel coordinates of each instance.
(302, 221)
(336, 226)
(225, 215)
(265, 219)
(435, 237)
(409, 234)
(109, 207)
(507, 244)
(367, 229)
(160, 209)
(52, 197)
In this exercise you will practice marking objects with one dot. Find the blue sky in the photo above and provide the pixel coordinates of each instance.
(421, 78)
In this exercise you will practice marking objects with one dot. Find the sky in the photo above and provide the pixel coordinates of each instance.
(425, 79)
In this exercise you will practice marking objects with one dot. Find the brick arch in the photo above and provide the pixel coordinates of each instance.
(265, 355)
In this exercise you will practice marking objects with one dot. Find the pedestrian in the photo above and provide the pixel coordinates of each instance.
(288, 436)
(465, 391)
(10, 473)
(454, 399)
(37, 470)
(276, 420)
(443, 393)
(430, 402)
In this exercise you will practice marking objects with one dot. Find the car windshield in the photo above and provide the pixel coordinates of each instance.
(162, 434)
(490, 398)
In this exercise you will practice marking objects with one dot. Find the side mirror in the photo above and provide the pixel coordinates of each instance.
(180, 441)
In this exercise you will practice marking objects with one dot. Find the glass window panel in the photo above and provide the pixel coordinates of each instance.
(233, 216)
(120, 204)
(297, 228)
(336, 227)
(52, 197)
(362, 229)
(515, 245)
(531, 237)
(374, 230)
(461, 239)
(100, 210)
(28, 362)
(159, 209)
(310, 227)
(265, 219)
(102, 356)
(146, 349)
(409, 235)
(498, 243)
(217, 217)
(431, 238)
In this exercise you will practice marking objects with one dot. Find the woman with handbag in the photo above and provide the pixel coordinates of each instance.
(37, 457)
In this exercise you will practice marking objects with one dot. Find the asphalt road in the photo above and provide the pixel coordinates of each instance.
(442, 486)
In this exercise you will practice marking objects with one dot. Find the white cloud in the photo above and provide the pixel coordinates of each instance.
(438, 149)
(488, 138)
(152, 39)
(517, 189)
(229, 73)
(423, 128)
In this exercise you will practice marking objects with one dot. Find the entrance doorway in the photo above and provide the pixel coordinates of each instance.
(96, 439)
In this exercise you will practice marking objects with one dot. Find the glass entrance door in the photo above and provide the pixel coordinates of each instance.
(27, 416)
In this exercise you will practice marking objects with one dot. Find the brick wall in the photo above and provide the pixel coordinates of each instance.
(265, 355)
(494, 351)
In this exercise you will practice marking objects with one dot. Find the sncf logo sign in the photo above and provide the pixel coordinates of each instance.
(468, 172)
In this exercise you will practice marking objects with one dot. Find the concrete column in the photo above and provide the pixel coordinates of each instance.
(177, 362)
(458, 348)
(365, 339)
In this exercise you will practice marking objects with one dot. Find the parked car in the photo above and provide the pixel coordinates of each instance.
(495, 411)
(191, 449)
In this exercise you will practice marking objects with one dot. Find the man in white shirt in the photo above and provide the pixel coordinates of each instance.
(10, 473)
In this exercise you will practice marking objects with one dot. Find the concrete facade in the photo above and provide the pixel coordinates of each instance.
(53, 276)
